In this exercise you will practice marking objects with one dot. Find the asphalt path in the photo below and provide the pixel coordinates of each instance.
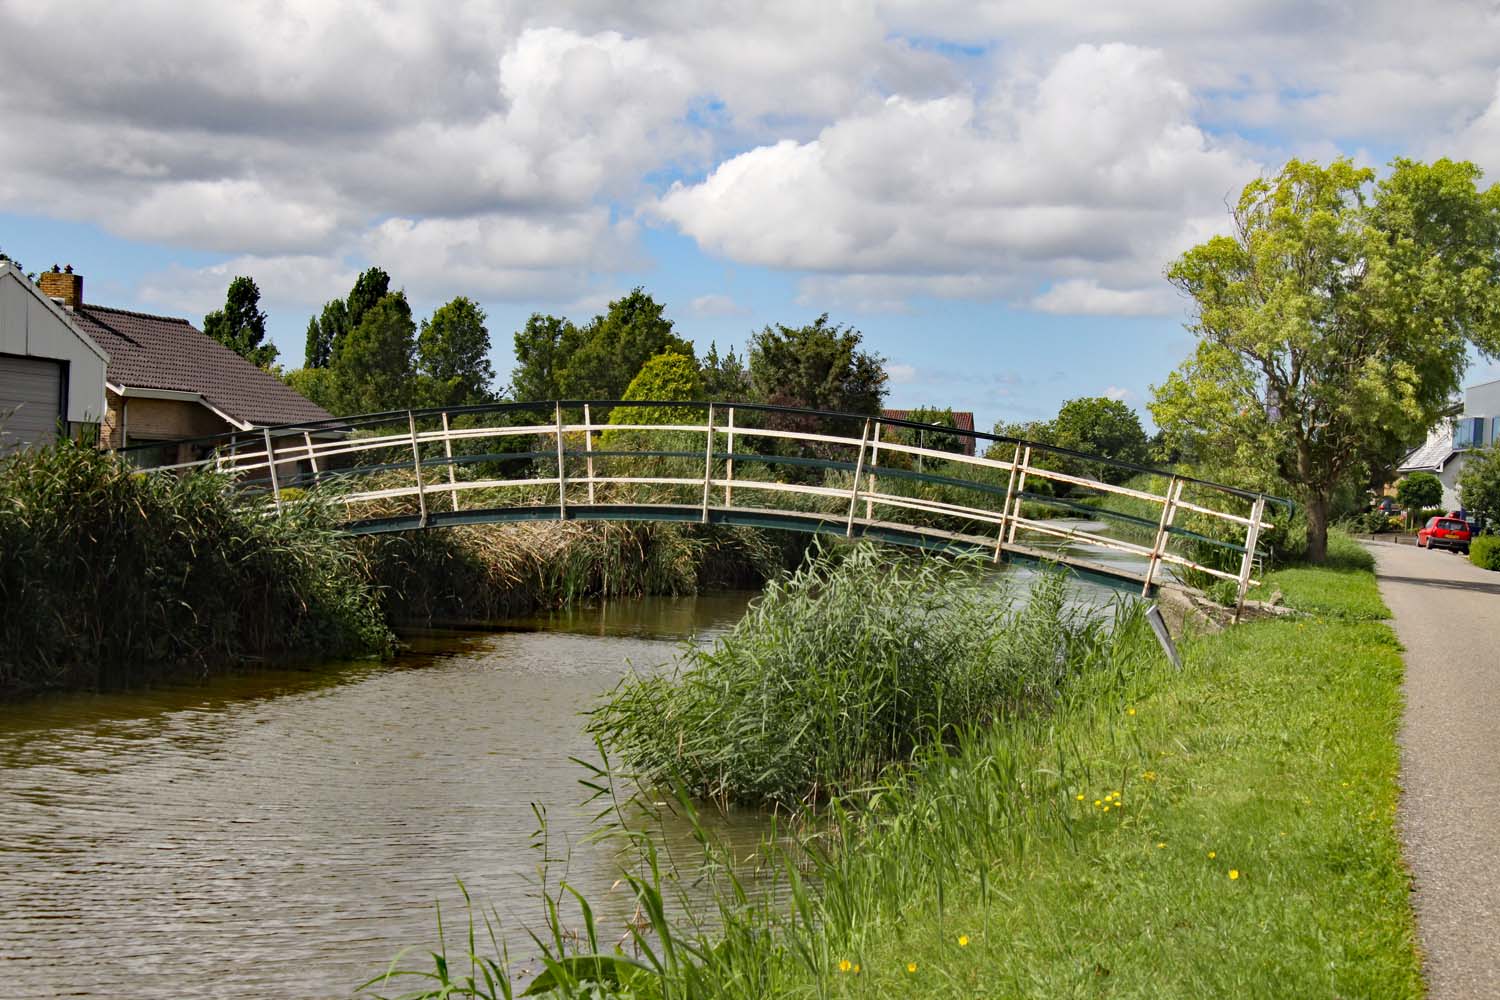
(1447, 614)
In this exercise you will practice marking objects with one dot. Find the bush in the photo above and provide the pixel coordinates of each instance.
(1484, 551)
(110, 575)
(843, 669)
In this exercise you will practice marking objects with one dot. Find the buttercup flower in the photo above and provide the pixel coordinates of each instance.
(845, 965)
(963, 940)
(1234, 873)
(911, 966)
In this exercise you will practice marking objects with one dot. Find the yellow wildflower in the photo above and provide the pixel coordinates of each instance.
(963, 940)
(1212, 855)
(911, 966)
(1130, 711)
(1234, 873)
(1161, 844)
(1098, 803)
(1079, 796)
(845, 965)
(856, 968)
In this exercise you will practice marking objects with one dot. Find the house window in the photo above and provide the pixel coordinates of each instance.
(1470, 433)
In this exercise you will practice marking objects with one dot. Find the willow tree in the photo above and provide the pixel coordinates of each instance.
(1334, 324)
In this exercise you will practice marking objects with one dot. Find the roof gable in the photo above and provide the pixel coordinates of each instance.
(9, 272)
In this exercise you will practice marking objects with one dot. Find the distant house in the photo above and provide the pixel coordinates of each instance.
(166, 380)
(962, 419)
(51, 371)
(1443, 453)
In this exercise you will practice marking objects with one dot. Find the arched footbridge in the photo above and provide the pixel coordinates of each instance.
(855, 476)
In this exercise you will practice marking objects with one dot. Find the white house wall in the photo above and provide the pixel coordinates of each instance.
(33, 326)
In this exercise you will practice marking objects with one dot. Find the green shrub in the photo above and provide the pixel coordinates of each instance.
(843, 669)
(1484, 551)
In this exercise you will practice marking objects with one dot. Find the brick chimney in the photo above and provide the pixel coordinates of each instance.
(63, 285)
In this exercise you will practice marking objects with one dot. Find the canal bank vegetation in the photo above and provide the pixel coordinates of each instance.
(110, 577)
(1225, 830)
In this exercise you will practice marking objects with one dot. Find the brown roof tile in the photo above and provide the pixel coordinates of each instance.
(163, 352)
(962, 420)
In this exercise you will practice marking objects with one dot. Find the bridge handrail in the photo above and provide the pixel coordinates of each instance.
(263, 451)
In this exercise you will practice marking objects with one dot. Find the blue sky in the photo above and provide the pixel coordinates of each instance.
(989, 192)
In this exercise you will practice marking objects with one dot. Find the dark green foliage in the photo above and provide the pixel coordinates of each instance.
(726, 377)
(1479, 485)
(453, 356)
(840, 671)
(317, 384)
(369, 288)
(109, 576)
(241, 324)
(1419, 489)
(373, 365)
(323, 332)
(557, 360)
(1484, 551)
(1101, 426)
(936, 440)
(820, 366)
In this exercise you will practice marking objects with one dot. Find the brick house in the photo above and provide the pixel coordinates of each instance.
(166, 380)
(962, 420)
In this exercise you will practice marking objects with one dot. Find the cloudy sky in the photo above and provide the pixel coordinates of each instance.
(989, 192)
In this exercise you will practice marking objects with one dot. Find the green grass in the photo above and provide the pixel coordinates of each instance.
(1343, 587)
(1271, 754)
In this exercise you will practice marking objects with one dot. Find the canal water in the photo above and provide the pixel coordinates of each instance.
(285, 833)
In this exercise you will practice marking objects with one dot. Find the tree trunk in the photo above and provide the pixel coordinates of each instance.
(1317, 528)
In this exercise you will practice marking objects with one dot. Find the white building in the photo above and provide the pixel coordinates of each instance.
(51, 372)
(1442, 454)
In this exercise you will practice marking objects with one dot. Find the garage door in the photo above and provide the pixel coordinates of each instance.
(30, 400)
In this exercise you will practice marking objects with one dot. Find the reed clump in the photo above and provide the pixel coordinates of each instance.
(842, 669)
(108, 576)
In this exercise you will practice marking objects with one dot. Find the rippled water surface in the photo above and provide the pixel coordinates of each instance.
(284, 834)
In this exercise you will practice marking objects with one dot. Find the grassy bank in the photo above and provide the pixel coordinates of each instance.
(1224, 831)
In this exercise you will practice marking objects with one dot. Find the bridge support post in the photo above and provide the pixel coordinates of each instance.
(1168, 512)
(708, 461)
(1252, 536)
(1010, 537)
(416, 466)
(562, 469)
(271, 467)
(859, 470)
(588, 447)
(448, 454)
(311, 457)
(874, 461)
(729, 462)
(1010, 491)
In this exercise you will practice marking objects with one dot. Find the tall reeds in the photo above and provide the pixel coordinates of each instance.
(108, 576)
(842, 669)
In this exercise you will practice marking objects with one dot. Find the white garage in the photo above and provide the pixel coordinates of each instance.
(51, 374)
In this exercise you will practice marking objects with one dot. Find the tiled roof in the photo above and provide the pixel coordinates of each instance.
(962, 420)
(162, 352)
(1433, 453)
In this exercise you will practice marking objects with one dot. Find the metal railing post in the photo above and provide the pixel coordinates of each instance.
(311, 457)
(708, 461)
(588, 447)
(448, 454)
(874, 461)
(729, 462)
(1168, 512)
(859, 468)
(1010, 491)
(416, 466)
(562, 471)
(271, 465)
(1252, 536)
(1010, 539)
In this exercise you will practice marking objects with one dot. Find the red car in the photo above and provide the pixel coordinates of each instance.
(1445, 533)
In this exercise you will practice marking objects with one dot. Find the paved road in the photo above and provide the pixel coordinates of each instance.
(1448, 617)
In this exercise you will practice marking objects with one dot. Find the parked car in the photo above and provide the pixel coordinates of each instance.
(1449, 533)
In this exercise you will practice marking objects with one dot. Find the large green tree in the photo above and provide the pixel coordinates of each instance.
(326, 330)
(241, 324)
(819, 366)
(726, 378)
(373, 364)
(1101, 426)
(556, 359)
(453, 356)
(1479, 486)
(1333, 323)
